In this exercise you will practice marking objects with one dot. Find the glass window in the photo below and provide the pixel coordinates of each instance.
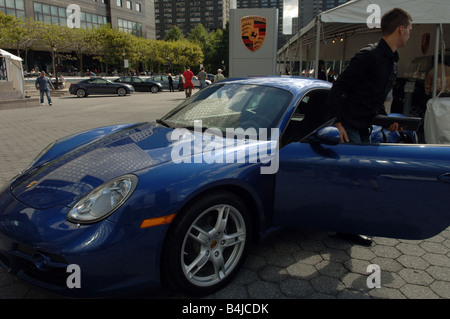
(20, 5)
(10, 4)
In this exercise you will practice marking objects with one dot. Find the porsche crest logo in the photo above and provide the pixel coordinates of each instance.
(253, 32)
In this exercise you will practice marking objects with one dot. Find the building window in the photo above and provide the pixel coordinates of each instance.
(13, 7)
(119, 3)
(135, 28)
(129, 5)
(138, 7)
(57, 15)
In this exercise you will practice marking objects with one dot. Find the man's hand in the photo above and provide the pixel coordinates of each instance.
(394, 127)
(343, 138)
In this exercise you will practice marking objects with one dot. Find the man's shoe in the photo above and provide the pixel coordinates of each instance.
(362, 240)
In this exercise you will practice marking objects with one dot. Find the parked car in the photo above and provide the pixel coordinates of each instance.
(179, 200)
(164, 81)
(140, 85)
(99, 86)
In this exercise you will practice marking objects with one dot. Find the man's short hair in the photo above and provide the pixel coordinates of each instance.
(393, 19)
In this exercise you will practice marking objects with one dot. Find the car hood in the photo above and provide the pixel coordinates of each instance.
(70, 176)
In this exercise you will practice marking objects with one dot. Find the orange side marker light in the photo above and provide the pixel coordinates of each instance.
(151, 222)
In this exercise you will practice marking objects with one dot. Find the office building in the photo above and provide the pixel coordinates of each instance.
(309, 9)
(186, 15)
(132, 16)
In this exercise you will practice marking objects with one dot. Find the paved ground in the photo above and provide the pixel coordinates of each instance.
(291, 264)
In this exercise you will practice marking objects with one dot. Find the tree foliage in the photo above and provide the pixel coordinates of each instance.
(110, 46)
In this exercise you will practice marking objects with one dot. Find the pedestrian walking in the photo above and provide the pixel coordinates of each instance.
(171, 83)
(43, 84)
(188, 85)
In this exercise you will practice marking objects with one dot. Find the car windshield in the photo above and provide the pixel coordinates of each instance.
(231, 106)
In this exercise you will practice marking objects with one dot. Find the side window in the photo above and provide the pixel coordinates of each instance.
(311, 112)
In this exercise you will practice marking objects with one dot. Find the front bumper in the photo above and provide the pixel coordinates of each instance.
(38, 246)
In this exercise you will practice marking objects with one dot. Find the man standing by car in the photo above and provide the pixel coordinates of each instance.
(359, 93)
(42, 84)
(202, 78)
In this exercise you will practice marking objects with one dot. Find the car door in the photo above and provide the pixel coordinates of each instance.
(138, 84)
(388, 190)
(100, 86)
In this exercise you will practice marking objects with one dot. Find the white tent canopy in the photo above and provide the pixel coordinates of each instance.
(14, 70)
(348, 24)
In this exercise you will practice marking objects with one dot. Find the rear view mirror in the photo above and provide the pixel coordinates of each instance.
(328, 135)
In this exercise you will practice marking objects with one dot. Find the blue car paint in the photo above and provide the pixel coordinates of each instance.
(117, 256)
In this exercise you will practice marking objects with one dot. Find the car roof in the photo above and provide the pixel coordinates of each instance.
(295, 84)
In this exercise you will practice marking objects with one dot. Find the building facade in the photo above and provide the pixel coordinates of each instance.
(309, 9)
(186, 15)
(135, 17)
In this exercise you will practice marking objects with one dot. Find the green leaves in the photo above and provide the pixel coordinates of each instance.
(111, 46)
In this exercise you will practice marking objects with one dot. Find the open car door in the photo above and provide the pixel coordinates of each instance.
(387, 190)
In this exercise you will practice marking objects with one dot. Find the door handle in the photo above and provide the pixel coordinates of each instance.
(445, 178)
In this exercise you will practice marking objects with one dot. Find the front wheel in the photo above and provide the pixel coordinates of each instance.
(207, 244)
(154, 89)
(121, 92)
(81, 93)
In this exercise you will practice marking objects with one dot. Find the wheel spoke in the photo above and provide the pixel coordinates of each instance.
(197, 264)
(233, 239)
(219, 269)
(222, 219)
(202, 237)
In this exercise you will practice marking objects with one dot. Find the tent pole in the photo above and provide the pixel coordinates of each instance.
(300, 60)
(435, 66)
(316, 66)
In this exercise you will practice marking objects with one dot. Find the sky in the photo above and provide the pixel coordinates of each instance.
(290, 11)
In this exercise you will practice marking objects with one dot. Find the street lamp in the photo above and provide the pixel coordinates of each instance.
(123, 56)
(53, 65)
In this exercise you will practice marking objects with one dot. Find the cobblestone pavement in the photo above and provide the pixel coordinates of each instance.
(290, 264)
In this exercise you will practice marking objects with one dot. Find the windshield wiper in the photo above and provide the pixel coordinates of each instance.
(159, 121)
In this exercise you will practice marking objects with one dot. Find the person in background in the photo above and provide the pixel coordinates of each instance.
(202, 78)
(43, 84)
(188, 85)
(219, 76)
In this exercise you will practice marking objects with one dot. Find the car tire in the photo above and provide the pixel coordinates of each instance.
(121, 91)
(81, 93)
(154, 89)
(207, 244)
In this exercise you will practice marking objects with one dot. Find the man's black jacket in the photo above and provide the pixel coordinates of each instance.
(359, 92)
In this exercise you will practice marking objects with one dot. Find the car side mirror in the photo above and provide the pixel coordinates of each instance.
(328, 135)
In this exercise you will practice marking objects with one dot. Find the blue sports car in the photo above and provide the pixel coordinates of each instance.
(178, 201)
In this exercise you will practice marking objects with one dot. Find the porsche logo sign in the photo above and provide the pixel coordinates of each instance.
(253, 32)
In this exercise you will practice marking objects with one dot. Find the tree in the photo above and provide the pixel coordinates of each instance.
(174, 34)
(17, 33)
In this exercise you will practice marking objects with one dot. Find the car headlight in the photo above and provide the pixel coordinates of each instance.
(103, 201)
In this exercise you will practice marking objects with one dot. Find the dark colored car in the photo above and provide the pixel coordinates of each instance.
(180, 199)
(140, 85)
(99, 86)
(163, 80)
